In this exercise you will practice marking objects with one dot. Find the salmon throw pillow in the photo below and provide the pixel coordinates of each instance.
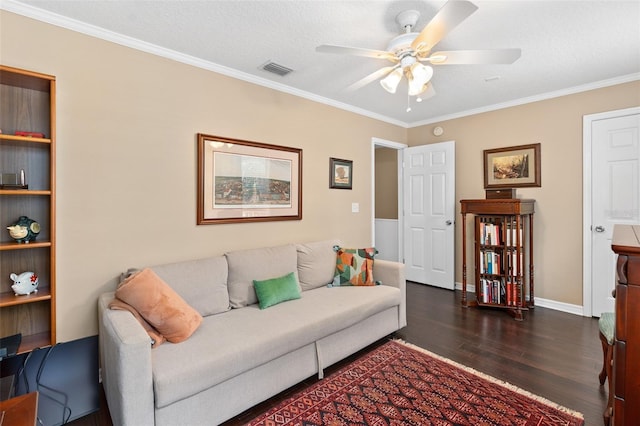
(159, 305)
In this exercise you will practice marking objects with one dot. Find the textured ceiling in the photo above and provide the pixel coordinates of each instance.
(566, 46)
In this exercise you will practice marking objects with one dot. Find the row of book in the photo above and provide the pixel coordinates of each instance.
(498, 292)
(490, 262)
(491, 234)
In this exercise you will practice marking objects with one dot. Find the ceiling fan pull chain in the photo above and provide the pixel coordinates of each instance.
(408, 102)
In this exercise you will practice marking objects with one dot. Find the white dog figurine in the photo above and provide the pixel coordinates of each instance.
(25, 283)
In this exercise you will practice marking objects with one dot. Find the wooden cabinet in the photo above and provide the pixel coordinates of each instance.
(626, 351)
(21, 410)
(503, 254)
(27, 103)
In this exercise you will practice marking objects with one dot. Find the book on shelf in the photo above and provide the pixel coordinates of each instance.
(490, 234)
(513, 233)
(511, 299)
(493, 291)
(490, 262)
(512, 263)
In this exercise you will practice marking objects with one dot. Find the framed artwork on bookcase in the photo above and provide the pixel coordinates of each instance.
(512, 167)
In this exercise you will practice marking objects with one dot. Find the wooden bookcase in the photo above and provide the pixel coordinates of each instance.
(27, 103)
(503, 254)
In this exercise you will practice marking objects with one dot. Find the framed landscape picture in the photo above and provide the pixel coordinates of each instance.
(244, 181)
(340, 173)
(512, 167)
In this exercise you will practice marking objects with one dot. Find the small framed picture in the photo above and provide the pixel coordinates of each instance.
(340, 173)
(512, 167)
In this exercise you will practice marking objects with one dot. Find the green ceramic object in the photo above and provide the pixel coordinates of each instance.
(24, 230)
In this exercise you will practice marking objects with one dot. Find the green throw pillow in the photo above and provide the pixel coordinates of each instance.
(276, 290)
(354, 267)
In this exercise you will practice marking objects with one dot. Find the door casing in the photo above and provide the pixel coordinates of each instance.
(587, 219)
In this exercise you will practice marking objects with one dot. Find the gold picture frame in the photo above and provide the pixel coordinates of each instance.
(512, 167)
(244, 181)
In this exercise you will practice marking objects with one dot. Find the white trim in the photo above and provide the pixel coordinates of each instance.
(559, 306)
(101, 33)
(94, 31)
(399, 147)
(400, 178)
(587, 248)
(471, 288)
(530, 99)
(388, 144)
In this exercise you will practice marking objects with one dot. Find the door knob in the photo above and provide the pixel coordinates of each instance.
(599, 229)
(448, 223)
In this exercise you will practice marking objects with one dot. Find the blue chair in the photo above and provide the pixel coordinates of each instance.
(607, 326)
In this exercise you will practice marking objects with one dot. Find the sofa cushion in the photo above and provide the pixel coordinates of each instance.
(276, 290)
(316, 263)
(201, 283)
(257, 264)
(159, 305)
(241, 339)
(354, 267)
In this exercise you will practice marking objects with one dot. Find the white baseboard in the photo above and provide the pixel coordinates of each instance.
(559, 306)
(470, 287)
(543, 303)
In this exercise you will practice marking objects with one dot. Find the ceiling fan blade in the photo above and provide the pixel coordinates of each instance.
(489, 56)
(447, 18)
(371, 78)
(357, 51)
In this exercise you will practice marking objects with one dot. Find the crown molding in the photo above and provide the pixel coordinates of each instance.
(536, 98)
(103, 34)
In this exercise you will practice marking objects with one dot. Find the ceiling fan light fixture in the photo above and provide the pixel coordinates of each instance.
(419, 76)
(390, 82)
(411, 49)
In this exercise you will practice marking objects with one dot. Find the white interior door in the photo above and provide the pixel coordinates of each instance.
(615, 198)
(429, 213)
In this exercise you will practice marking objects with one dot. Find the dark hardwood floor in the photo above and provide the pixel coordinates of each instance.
(552, 354)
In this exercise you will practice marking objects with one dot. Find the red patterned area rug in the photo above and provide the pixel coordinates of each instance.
(402, 384)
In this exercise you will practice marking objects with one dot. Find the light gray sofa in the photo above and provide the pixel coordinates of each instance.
(241, 355)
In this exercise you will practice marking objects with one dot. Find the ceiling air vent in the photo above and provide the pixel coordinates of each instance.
(274, 68)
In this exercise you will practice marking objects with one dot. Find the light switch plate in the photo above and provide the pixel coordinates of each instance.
(355, 207)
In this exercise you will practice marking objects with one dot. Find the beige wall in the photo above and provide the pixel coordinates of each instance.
(126, 160)
(386, 183)
(557, 125)
(127, 163)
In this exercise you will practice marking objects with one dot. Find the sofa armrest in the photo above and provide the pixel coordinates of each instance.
(392, 274)
(125, 356)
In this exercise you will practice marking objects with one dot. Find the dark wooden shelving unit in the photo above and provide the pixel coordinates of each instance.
(503, 254)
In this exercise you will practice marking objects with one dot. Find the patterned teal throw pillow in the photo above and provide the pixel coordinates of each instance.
(276, 290)
(354, 267)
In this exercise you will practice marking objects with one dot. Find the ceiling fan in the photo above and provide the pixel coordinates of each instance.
(409, 50)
